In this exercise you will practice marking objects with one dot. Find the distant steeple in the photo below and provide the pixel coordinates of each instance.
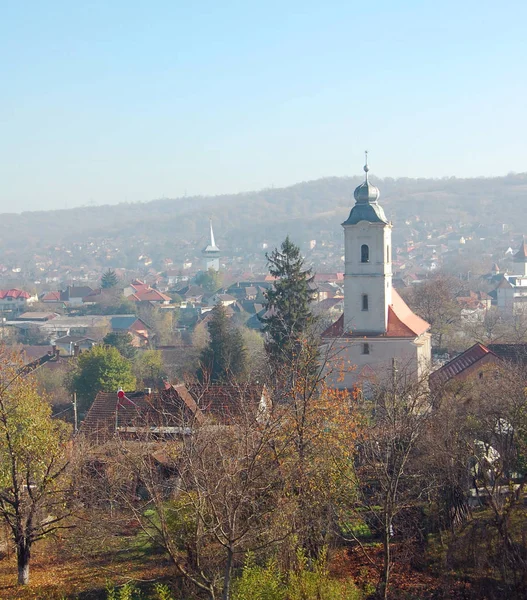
(211, 252)
(212, 242)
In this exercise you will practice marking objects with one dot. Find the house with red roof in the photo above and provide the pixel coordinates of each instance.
(139, 291)
(377, 328)
(15, 299)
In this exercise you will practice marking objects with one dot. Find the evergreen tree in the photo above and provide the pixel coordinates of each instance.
(109, 279)
(289, 318)
(123, 341)
(225, 356)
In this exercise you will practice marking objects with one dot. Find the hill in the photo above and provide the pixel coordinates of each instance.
(308, 210)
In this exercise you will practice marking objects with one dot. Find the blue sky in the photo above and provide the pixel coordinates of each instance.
(113, 101)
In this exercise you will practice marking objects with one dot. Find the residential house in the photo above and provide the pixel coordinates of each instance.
(170, 413)
(142, 292)
(71, 345)
(15, 299)
(136, 327)
(74, 295)
(474, 362)
(223, 299)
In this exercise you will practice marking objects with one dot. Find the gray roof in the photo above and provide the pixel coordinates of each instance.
(73, 339)
(371, 212)
(366, 206)
(122, 321)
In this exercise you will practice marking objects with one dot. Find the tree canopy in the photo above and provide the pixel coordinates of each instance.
(109, 279)
(123, 341)
(224, 357)
(289, 315)
(100, 369)
(32, 461)
(209, 280)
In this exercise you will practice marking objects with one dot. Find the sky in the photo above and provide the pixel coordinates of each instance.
(114, 101)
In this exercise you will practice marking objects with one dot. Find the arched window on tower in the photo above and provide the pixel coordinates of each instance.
(388, 254)
(364, 301)
(364, 253)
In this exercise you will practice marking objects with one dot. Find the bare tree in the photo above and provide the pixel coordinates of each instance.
(388, 477)
(207, 494)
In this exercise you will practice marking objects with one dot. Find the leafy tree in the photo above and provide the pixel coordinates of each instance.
(109, 279)
(149, 367)
(435, 301)
(288, 303)
(210, 280)
(123, 341)
(100, 369)
(32, 462)
(225, 356)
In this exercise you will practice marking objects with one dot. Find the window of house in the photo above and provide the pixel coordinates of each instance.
(364, 253)
(364, 301)
(365, 348)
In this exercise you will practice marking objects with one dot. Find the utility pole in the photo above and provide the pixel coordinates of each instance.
(75, 416)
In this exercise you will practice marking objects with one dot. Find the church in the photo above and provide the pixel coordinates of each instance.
(377, 327)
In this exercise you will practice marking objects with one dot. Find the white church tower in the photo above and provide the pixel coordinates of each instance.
(211, 253)
(377, 327)
(368, 263)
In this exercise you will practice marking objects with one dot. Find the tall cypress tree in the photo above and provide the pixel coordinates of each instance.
(289, 317)
(225, 356)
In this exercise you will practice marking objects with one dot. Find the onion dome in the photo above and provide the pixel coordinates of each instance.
(366, 206)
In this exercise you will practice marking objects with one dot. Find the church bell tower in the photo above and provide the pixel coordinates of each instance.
(368, 263)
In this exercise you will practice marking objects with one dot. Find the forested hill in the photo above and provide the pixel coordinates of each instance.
(243, 220)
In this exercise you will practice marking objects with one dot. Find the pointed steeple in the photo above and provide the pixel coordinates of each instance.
(212, 245)
(212, 242)
(211, 252)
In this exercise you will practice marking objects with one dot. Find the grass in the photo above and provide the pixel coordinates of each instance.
(56, 573)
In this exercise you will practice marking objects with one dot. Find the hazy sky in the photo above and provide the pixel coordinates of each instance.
(110, 101)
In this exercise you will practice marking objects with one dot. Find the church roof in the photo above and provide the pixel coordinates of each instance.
(371, 212)
(211, 247)
(402, 322)
(366, 206)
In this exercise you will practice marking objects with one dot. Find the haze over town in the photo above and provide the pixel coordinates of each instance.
(263, 301)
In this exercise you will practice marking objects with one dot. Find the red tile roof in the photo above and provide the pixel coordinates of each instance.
(402, 322)
(172, 407)
(461, 362)
(175, 406)
(50, 297)
(227, 401)
(14, 293)
(146, 294)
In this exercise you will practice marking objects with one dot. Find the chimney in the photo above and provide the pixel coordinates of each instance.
(76, 349)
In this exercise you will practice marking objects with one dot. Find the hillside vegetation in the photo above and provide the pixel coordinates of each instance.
(307, 210)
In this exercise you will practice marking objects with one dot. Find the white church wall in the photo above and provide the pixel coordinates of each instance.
(350, 365)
